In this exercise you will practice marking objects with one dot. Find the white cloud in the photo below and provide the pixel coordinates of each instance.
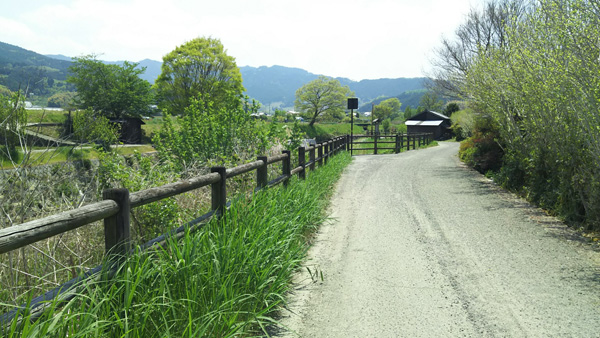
(357, 39)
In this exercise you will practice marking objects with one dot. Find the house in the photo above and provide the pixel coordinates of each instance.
(429, 122)
(130, 129)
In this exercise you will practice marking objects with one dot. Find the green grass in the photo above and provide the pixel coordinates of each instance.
(36, 116)
(63, 154)
(321, 131)
(225, 280)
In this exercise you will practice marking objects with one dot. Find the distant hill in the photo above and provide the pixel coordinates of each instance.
(21, 68)
(410, 98)
(277, 85)
(273, 86)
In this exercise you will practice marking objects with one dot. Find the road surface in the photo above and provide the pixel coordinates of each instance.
(421, 246)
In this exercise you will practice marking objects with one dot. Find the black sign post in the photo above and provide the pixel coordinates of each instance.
(352, 104)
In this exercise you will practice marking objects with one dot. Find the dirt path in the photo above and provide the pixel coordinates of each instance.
(421, 246)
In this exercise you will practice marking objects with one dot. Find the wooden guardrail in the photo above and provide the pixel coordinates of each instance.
(400, 141)
(115, 208)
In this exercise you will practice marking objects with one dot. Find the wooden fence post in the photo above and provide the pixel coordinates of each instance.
(302, 162)
(327, 151)
(117, 236)
(347, 144)
(287, 167)
(219, 191)
(397, 145)
(262, 176)
(320, 154)
(375, 137)
(414, 140)
(311, 157)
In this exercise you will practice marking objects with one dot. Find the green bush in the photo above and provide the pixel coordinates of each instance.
(482, 150)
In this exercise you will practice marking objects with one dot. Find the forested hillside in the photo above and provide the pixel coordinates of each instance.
(21, 68)
(273, 87)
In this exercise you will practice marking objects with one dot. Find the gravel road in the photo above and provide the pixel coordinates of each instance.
(421, 246)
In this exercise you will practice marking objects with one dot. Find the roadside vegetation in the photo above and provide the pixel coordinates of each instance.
(227, 279)
(531, 117)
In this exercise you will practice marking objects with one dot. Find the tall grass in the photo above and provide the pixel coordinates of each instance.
(225, 280)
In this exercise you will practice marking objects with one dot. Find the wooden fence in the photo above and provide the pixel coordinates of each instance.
(116, 205)
(399, 141)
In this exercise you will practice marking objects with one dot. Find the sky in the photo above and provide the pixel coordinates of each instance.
(356, 39)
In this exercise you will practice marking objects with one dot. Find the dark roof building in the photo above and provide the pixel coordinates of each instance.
(429, 122)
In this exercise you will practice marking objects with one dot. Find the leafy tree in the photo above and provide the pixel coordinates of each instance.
(451, 108)
(322, 96)
(541, 91)
(90, 127)
(61, 100)
(409, 112)
(113, 90)
(223, 132)
(4, 91)
(198, 67)
(389, 108)
(430, 101)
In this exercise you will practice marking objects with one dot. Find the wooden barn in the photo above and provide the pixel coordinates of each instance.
(130, 129)
(430, 122)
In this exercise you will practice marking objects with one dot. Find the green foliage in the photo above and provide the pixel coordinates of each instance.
(200, 67)
(482, 151)
(223, 132)
(62, 100)
(4, 91)
(386, 125)
(115, 91)
(295, 136)
(137, 173)
(451, 108)
(89, 126)
(463, 124)
(13, 119)
(322, 97)
(430, 101)
(225, 280)
(542, 90)
(389, 108)
(409, 112)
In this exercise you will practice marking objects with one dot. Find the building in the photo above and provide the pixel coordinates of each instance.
(130, 129)
(430, 122)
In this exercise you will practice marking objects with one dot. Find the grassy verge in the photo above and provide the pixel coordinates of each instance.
(222, 281)
(45, 156)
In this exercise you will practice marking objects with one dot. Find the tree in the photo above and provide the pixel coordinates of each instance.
(389, 108)
(113, 90)
(61, 100)
(212, 132)
(482, 31)
(198, 67)
(451, 108)
(430, 101)
(322, 96)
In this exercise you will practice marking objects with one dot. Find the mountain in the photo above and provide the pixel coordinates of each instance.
(277, 85)
(20, 68)
(274, 87)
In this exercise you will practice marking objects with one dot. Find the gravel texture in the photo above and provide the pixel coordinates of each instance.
(421, 246)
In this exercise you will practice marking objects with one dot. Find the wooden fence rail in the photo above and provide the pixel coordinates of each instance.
(116, 205)
(418, 139)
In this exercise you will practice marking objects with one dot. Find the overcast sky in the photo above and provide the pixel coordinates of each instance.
(357, 39)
